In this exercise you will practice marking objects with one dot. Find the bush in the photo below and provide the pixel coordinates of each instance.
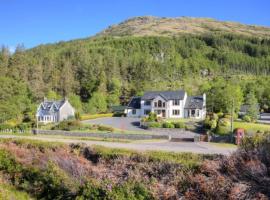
(247, 118)
(210, 123)
(179, 125)
(91, 191)
(220, 114)
(223, 127)
(155, 125)
(131, 190)
(152, 117)
(78, 116)
(68, 125)
(6, 127)
(215, 116)
(167, 125)
(105, 128)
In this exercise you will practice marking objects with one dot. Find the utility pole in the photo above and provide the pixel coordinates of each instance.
(37, 125)
(232, 112)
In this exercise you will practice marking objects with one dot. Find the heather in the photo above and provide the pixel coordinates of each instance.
(57, 171)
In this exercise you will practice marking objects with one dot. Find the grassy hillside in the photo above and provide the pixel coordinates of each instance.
(155, 26)
(57, 171)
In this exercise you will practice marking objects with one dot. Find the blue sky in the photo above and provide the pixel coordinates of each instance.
(34, 22)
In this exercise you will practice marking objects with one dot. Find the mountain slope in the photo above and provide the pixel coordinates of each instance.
(154, 26)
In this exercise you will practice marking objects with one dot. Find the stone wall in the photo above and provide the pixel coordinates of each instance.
(102, 135)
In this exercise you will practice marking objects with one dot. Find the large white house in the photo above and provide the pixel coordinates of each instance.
(54, 111)
(168, 104)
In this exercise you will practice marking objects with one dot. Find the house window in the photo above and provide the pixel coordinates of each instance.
(146, 112)
(193, 113)
(133, 111)
(158, 112)
(163, 104)
(176, 112)
(176, 102)
(147, 103)
(155, 104)
(198, 113)
(159, 103)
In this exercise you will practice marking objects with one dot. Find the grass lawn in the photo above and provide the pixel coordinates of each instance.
(223, 145)
(95, 116)
(252, 127)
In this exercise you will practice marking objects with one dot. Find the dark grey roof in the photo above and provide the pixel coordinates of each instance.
(135, 103)
(194, 102)
(48, 107)
(167, 95)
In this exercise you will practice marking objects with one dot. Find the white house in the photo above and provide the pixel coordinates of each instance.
(168, 104)
(54, 111)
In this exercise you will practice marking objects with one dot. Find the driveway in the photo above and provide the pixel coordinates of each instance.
(123, 123)
(194, 147)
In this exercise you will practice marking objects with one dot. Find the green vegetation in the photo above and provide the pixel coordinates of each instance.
(96, 116)
(55, 176)
(9, 192)
(66, 172)
(100, 70)
(252, 127)
(75, 125)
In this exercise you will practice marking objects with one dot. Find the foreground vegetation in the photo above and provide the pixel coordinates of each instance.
(57, 171)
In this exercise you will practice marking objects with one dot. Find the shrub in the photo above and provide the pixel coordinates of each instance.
(6, 127)
(91, 191)
(179, 125)
(68, 125)
(105, 128)
(152, 117)
(247, 118)
(167, 125)
(223, 126)
(210, 123)
(131, 190)
(155, 125)
(23, 126)
(220, 114)
(215, 116)
(78, 116)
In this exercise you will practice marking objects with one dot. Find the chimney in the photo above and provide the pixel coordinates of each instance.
(204, 98)
(44, 99)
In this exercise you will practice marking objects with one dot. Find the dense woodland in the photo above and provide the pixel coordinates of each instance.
(99, 72)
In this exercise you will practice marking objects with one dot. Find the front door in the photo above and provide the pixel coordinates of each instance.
(163, 113)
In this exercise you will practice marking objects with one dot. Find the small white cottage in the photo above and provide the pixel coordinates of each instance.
(54, 111)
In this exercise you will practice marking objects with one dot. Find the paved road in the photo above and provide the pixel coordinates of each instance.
(198, 147)
(124, 123)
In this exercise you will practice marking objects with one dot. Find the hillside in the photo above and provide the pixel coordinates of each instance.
(155, 26)
(106, 70)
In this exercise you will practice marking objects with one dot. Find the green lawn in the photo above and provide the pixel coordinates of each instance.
(223, 145)
(252, 127)
(95, 116)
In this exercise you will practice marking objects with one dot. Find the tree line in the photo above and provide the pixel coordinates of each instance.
(103, 71)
